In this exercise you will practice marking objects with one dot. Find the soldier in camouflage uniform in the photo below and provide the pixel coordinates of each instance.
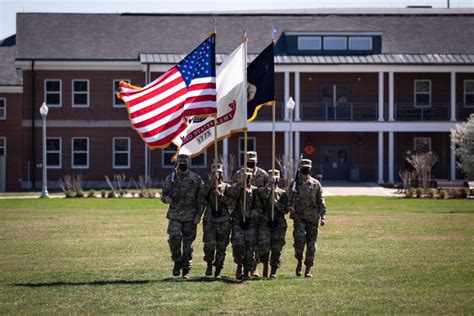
(244, 226)
(180, 190)
(307, 208)
(272, 231)
(259, 179)
(216, 223)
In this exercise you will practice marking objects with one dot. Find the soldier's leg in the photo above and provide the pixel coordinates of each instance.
(189, 234)
(264, 240)
(250, 235)
(278, 241)
(209, 239)
(174, 241)
(238, 247)
(222, 240)
(311, 236)
(299, 236)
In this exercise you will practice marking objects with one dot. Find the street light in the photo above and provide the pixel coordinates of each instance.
(290, 105)
(44, 113)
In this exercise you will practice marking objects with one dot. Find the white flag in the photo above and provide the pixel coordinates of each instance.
(231, 107)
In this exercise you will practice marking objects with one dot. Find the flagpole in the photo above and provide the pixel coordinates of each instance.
(273, 143)
(244, 209)
(214, 22)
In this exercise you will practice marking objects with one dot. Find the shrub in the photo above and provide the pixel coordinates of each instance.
(418, 192)
(104, 194)
(442, 194)
(409, 192)
(91, 194)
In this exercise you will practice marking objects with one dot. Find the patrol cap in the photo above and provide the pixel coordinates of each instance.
(274, 172)
(251, 156)
(217, 167)
(305, 163)
(183, 157)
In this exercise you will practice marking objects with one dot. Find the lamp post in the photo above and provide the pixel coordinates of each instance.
(44, 113)
(290, 105)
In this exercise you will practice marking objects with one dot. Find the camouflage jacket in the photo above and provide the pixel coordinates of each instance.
(259, 179)
(254, 205)
(184, 195)
(281, 205)
(308, 201)
(207, 202)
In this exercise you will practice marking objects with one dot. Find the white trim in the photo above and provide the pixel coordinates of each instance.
(391, 96)
(464, 93)
(286, 94)
(4, 146)
(80, 92)
(310, 40)
(328, 38)
(297, 115)
(351, 38)
(415, 139)
(381, 96)
(73, 166)
(415, 93)
(55, 152)
(11, 89)
(380, 158)
(80, 65)
(114, 105)
(391, 157)
(342, 33)
(239, 151)
(60, 105)
(365, 68)
(114, 166)
(4, 117)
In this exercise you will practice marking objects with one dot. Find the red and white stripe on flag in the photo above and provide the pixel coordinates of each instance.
(159, 111)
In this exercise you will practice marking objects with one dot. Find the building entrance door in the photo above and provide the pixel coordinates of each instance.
(335, 162)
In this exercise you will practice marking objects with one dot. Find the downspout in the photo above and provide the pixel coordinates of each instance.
(33, 134)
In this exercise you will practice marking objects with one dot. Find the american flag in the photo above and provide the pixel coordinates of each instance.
(160, 111)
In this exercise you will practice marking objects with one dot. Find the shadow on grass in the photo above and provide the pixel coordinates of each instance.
(224, 279)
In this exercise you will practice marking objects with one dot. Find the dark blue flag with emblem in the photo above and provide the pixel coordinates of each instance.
(261, 82)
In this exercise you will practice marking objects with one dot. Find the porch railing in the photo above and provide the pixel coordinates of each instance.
(409, 112)
(355, 111)
(265, 113)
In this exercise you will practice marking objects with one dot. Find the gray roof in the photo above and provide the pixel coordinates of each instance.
(62, 36)
(8, 74)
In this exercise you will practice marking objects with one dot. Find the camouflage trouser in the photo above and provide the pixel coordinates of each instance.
(271, 240)
(305, 232)
(244, 242)
(181, 234)
(216, 238)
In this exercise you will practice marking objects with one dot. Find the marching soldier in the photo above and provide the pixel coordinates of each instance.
(306, 206)
(272, 230)
(216, 223)
(180, 190)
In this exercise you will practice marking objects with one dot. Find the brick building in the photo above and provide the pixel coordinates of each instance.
(369, 85)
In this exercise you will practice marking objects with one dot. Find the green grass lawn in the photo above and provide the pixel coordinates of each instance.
(375, 255)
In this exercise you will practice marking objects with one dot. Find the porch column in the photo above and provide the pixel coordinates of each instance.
(297, 97)
(286, 94)
(453, 97)
(453, 161)
(380, 161)
(391, 97)
(381, 96)
(287, 149)
(391, 159)
(225, 156)
(297, 145)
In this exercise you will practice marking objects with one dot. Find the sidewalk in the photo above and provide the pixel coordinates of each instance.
(341, 188)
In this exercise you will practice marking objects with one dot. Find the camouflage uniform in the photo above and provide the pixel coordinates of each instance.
(309, 207)
(182, 188)
(217, 222)
(244, 239)
(271, 236)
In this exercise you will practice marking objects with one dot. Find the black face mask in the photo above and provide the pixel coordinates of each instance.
(305, 170)
(183, 167)
(251, 164)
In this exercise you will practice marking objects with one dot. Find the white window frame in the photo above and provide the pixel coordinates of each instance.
(60, 93)
(352, 38)
(114, 166)
(415, 93)
(4, 146)
(415, 139)
(80, 92)
(241, 163)
(53, 152)
(4, 117)
(301, 40)
(464, 95)
(326, 38)
(117, 106)
(73, 166)
(163, 151)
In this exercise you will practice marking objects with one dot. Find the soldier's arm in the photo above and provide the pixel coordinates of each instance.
(203, 196)
(234, 191)
(166, 192)
(321, 203)
(229, 202)
(282, 204)
(265, 191)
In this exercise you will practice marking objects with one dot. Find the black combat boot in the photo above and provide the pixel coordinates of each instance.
(246, 275)
(307, 272)
(177, 268)
(186, 273)
(217, 273)
(299, 265)
(273, 272)
(209, 269)
(238, 272)
(265, 269)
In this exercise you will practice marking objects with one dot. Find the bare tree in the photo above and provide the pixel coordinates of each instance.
(423, 163)
(287, 168)
(406, 176)
(229, 166)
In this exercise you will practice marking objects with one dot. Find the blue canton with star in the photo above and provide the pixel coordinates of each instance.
(200, 63)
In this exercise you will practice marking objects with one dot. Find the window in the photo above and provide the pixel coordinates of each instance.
(422, 93)
(80, 152)
(118, 103)
(52, 93)
(422, 144)
(360, 43)
(53, 152)
(80, 93)
(3, 146)
(251, 146)
(3, 109)
(468, 93)
(196, 162)
(309, 43)
(335, 43)
(121, 153)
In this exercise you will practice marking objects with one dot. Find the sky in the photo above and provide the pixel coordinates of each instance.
(9, 8)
